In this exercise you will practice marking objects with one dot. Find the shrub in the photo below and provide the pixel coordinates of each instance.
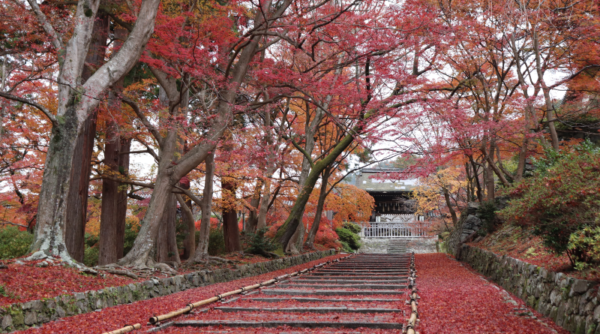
(259, 244)
(216, 243)
(90, 256)
(14, 243)
(585, 245)
(346, 247)
(348, 237)
(354, 228)
(560, 199)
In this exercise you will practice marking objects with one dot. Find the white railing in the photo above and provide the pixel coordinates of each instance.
(411, 230)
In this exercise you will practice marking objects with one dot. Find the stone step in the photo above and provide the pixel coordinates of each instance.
(339, 309)
(357, 277)
(347, 281)
(347, 286)
(301, 324)
(330, 292)
(323, 300)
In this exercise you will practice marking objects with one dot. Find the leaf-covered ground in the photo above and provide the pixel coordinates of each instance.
(139, 312)
(25, 282)
(455, 299)
(520, 244)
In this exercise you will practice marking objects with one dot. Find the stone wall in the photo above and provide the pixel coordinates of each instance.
(572, 303)
(467, 224)
(36, 312)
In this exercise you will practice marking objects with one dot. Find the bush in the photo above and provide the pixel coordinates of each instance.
(14, 243)
(346, 247)
(349, 238)
(216, 243)
(90, 256)
(561, 198)
(585, 245)
(354, 228)
(259, 244)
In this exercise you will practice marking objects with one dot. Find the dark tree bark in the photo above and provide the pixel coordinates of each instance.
(188, 220)
(76, 214)
(166, 246)
(231, 231)
(114, 198)
(252, 220)
(310, 239)
(114, 194)
(202, 249)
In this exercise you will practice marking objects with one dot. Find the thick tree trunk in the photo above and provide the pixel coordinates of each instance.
(231, 231)
(80, 174)
(109, 220)
(166, 245)
(202, 249)
(310, 239)
(73, 109)
(187, 217)
(139, 256)
(49, 236)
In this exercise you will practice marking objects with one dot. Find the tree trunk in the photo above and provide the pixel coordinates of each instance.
(49, 236)
(121, 213)
(255, 202)
(489, 181)
(310, 240)
(288, 229)
(202, 249)
(169, 175)
(231, 231)
(450, 208)
(188, 221)
(166, 245)
(264, 204)
(77, 200)
(72, 110)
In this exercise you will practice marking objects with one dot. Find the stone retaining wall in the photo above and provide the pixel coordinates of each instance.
(36, 312)
(573, 304)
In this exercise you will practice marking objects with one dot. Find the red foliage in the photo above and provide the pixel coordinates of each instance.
(25, 282)
(139, 312)
(457, 300)
(214, 222)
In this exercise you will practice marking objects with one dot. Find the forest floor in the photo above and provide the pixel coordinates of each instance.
(456, 299)
(139, 312)
(521, 244)
(22, 282)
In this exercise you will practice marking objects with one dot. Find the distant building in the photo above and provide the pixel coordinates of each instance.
(393, 198)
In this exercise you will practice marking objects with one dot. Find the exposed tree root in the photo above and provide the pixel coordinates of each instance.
(111, 269)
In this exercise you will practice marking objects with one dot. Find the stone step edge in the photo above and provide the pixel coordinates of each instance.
(20, 316)
(302, 324)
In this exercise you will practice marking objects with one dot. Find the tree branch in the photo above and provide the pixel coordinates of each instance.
(56, 41)
(33, 104)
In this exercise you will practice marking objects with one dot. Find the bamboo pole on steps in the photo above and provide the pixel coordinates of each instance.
(191, 306)
(125, 329)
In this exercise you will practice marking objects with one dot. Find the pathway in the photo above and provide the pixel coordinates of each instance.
(365, 291)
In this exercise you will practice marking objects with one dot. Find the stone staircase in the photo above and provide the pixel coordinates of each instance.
(397, 246)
